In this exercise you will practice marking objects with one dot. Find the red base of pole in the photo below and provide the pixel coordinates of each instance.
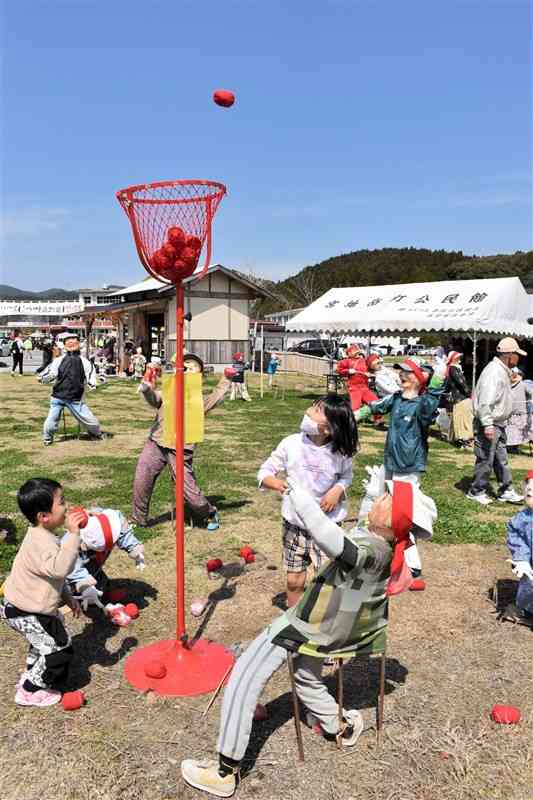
(188, 671)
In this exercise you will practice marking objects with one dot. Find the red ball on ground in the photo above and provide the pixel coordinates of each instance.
(132, 610)
(71, 701)
(155, 669)
(249, 558)
(260, 713)
(245, 551)
(418, 585)
(177, 237)
(224, 98)
(82, 511)
(214, 565)
(505, 715)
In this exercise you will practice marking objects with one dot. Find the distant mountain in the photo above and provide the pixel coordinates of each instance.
(388, 266)
(12, 293)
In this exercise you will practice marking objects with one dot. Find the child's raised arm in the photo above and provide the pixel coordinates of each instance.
(276, 462)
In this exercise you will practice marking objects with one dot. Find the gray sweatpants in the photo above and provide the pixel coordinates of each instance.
(491, 454)
(150, 465)
(249, 676)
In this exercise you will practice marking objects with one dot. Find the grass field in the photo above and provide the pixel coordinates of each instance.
(240, 435)
(448, 658)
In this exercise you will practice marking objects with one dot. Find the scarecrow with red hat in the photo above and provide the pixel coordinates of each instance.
(105, 528)
(344, 610)
(155, 457)
(386, 380)
(520, 544)
(355, 369)
(238, 378)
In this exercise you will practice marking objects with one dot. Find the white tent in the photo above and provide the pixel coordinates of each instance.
(496, 306)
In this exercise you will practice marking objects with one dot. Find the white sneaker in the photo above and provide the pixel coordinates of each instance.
(481, 498)
(355, 720)
(204, 775)
(510, 496)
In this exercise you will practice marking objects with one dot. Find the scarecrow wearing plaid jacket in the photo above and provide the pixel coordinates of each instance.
(343, 611)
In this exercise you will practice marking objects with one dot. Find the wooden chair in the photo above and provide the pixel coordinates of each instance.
(340, 697)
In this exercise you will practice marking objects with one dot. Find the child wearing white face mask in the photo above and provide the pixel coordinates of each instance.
(319, 459)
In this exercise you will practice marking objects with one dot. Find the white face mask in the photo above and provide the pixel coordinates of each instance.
(309, 426)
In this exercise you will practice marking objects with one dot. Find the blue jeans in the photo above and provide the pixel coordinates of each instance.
(79, 411)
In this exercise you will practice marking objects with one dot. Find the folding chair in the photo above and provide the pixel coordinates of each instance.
(340, 697)
(62, 417)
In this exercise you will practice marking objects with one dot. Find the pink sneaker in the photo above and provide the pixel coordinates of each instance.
(44, 697)
(23, 676)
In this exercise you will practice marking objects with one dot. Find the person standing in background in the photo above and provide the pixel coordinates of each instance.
(17, 353)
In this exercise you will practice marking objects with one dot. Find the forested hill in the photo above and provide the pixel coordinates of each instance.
(391, 265)
(12, 293)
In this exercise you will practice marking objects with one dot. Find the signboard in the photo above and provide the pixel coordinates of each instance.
(12, 308)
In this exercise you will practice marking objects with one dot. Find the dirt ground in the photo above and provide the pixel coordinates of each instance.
(449, 660)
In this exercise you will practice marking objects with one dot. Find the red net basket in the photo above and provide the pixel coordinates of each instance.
(171, 223)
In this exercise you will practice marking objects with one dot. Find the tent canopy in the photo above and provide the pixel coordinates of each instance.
(498, 306)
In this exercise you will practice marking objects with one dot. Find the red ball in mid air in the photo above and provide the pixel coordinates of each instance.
(224, 98)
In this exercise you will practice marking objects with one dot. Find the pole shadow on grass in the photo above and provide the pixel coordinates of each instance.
(90, 644)
(224, 592)
(361, 689)
(168, 516)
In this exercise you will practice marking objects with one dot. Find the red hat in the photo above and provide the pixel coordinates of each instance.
(412, 512)
(373, 359)
(529, 475)
(238, 357)
(354, 349)
(453, 356)
(410, 365)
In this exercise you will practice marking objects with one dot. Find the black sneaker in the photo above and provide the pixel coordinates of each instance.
(514, 614)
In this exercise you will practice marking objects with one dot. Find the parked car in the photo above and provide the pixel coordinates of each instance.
(322, 348)
(5, 348)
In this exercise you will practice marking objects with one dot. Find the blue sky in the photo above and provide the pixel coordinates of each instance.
(357, 125)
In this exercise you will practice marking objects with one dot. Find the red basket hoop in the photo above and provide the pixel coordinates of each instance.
(155, 208)
(171, 221)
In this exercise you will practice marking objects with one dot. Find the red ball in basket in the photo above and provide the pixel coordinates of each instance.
(224, 98)
(177, 237)
(195, 243)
